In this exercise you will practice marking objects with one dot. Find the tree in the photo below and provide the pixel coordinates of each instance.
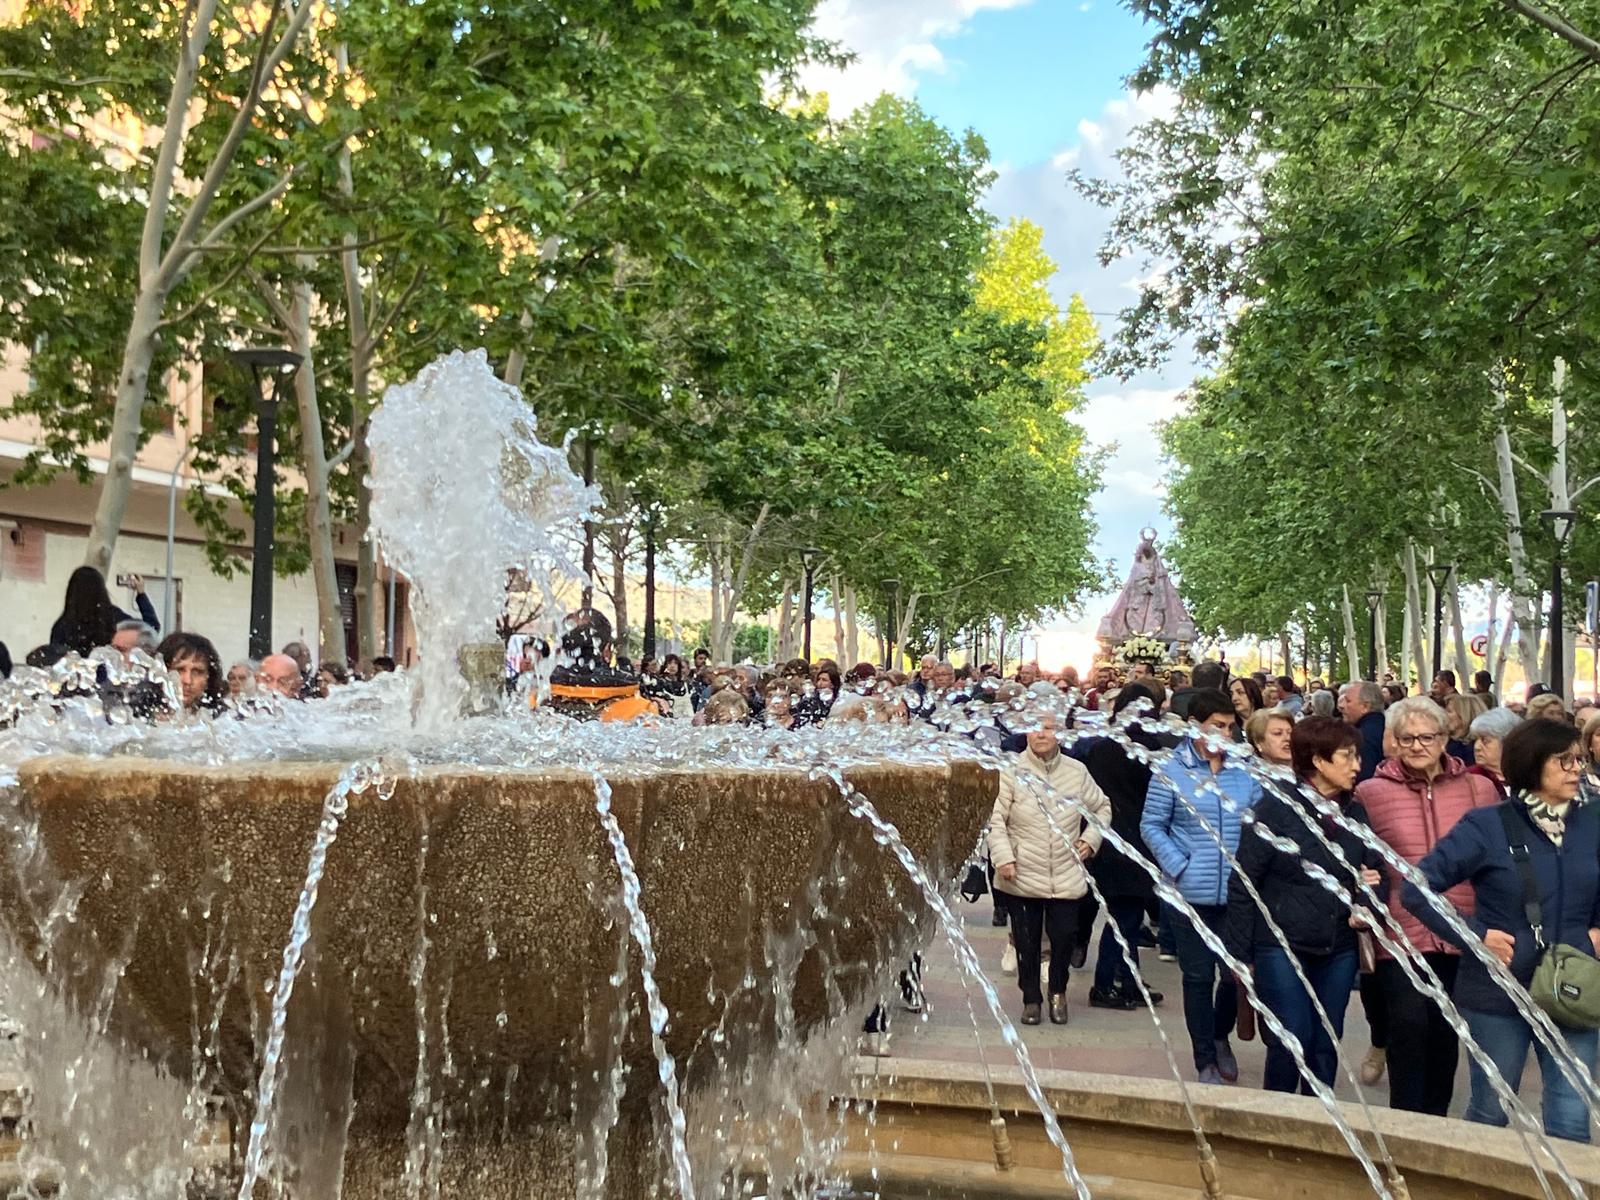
(177, 226)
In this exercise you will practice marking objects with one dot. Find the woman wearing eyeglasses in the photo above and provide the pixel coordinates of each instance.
(1542, 762)
(1415, 799)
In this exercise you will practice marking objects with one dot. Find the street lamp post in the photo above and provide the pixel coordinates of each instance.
(809, 558)
(1561, 521)
(280, 365)
(1439, 576)
(1374, 599)
(891, 587)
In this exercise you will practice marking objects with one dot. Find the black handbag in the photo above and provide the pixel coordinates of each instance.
(975, 885)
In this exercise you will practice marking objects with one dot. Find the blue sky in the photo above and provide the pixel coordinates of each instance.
(1043, 82)
(1024, 77)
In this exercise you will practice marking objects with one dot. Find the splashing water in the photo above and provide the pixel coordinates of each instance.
(889, 836)
(633, 898)
(463, 491)
(356, 778)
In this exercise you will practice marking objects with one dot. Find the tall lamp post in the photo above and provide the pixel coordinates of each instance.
(1374, 599)
(892, 588)
(277, 365)
(1439, 576)
(1561, 521)
(809, 557)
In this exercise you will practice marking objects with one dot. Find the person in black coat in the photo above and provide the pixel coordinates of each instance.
(89, 619)
(1127, 888)
(1542, 764)
(1319, 927)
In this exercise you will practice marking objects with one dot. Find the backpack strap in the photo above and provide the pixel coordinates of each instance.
(1531, 908)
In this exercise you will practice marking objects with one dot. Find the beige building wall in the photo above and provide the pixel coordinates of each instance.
(44, 535)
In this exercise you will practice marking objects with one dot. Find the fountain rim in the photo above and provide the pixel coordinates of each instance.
(1447, 1147)
(110, 766)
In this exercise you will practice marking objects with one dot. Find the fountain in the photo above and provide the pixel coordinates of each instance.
(480, 897)
(371, 949)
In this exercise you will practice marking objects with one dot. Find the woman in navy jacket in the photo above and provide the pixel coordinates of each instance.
(1319, 927)
(1541, 764)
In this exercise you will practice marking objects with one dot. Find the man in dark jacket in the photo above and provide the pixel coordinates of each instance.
(1206, 675)
(1361, 705)
(1127, 888)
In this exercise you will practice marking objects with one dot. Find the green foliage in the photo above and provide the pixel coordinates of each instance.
(749, 309)
(1369, 214)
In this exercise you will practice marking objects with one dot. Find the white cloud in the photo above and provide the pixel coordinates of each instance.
(1120, 414)
(893, 41)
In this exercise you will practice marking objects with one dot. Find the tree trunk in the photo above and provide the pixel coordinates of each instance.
(836, 593)
(1522, 586)
(1352, 644)
(714, 633)
(619, 587)
(904, 619)
(852, 626)
(1383, 640)
(1405, 647)
(164, 261)
(1503, 654)
(314, 462)
(1414, 611)
(1464, 666)
(785, 632)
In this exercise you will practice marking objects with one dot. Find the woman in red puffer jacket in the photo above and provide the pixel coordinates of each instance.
(1413, 800)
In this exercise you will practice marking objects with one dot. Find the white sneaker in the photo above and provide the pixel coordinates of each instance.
(1008, 960)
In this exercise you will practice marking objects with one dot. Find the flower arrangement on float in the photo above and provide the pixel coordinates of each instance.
(1142, 648)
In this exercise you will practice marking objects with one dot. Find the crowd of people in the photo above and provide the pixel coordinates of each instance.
(1309, 832)
(91, 621)
(1297, 825)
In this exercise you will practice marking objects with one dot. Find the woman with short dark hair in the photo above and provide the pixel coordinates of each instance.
(1558, 837)
(1319, 927)
(202, 686)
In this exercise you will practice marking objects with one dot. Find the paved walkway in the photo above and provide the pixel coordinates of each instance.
(1101, 1040)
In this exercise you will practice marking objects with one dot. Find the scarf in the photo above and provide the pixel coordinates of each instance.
(1551, 819)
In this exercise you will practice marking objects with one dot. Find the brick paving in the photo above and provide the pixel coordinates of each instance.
(1122, 1043)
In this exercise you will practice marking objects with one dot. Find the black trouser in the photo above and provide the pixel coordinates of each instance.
(1088, 910)
(1210, 993)
(1112, 972)
(1422, 1046)
(1376, 1009)
(1030, 919)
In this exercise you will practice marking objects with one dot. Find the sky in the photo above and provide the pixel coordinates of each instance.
(1044, 83)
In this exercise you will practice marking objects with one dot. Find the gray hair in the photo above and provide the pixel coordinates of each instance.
(1495, 723)
(1321, 703)
(1420, 707)
(147, 636)
(1368, 693)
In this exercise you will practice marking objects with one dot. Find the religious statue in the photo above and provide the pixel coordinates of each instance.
(1149, 605)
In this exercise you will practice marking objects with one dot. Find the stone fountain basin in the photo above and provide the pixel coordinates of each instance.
(187, 869)
(929, 1136)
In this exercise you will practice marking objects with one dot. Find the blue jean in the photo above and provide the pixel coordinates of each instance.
(1209, 1017)
(1111, 969)
(1331, 977)
(1506, 1040)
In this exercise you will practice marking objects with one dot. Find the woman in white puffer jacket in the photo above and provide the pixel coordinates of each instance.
(1040, 870)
